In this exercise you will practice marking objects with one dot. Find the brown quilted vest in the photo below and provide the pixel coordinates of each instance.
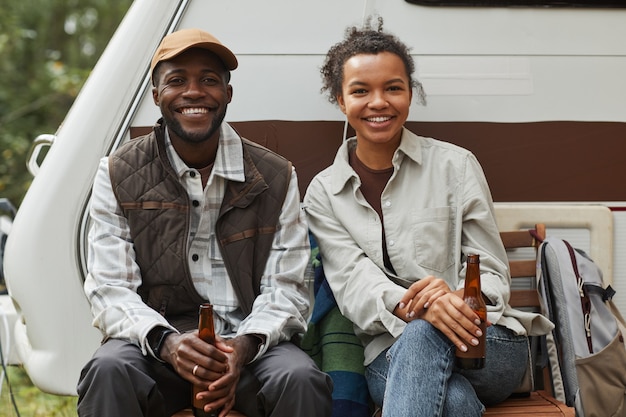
(158, 211)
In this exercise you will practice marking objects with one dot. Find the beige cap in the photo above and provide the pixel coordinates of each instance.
(177, 42)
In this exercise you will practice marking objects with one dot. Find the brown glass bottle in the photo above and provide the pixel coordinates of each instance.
(474, 358)
(206, 331)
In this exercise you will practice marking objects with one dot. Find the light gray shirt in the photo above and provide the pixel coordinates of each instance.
(436, 207)
(280, 311)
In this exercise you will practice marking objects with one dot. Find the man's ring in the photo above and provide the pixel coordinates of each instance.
(195, 368)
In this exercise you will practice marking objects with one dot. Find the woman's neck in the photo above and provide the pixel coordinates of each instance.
(376, 156)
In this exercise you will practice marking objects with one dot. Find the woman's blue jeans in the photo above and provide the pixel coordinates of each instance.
(416, 376)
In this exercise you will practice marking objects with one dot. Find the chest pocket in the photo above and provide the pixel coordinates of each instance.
(433, 237)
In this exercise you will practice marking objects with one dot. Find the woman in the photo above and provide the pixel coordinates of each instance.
(394, 217)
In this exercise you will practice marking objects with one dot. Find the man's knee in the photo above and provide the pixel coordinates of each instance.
(111, 362)
(290, 383)
(298, 370)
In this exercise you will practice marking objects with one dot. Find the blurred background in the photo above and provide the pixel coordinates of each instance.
(47, 50)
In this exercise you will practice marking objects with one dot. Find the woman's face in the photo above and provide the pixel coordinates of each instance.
(375, 96)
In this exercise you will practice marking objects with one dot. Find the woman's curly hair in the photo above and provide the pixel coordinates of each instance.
(367, 40)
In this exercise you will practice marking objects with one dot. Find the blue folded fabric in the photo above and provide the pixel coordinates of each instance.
(331, 342)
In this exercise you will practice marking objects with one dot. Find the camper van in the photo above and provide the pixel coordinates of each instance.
(536, 91)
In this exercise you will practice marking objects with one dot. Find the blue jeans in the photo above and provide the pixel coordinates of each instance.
(416, 376)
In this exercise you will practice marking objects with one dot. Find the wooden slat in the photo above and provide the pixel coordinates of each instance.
(517, 239)
(523, 268)
(524, 298)
(538, 404)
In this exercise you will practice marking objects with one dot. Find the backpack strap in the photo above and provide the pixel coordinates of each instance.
(585, 301)
(606, 293)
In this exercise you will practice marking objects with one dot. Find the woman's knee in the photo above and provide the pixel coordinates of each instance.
(505, 365)
(422, 338)
(461, 399)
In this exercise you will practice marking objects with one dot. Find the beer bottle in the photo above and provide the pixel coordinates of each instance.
(474, 358)
(206, 331)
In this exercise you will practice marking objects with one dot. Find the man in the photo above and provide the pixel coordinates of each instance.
(193, 213)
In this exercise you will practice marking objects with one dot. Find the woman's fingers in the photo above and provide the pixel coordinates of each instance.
(455, 320)
(421, 294)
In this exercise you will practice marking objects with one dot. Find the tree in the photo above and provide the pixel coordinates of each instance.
(47, 49)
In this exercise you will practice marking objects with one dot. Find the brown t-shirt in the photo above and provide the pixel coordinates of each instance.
(373, 182)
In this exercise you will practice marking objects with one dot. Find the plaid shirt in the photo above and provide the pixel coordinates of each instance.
(111, 284)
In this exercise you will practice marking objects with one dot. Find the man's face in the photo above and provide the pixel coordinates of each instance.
(193, 93)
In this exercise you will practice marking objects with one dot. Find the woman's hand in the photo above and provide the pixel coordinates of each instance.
(431, 299)
(419, 296)
(455, 319)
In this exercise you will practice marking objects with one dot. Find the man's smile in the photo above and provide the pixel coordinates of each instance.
(193, 110)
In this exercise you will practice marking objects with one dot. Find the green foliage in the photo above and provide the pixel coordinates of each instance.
(31, 402)
(47, 49)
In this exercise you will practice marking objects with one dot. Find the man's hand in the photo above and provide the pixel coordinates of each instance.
(216, 367)
(200, 363)
(244, 349)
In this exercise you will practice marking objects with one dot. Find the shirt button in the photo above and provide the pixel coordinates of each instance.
(392, 242)
(195, 203)
(192, 174)
(387, 203)
(195, 257)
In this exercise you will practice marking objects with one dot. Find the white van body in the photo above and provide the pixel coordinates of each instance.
(485, 65)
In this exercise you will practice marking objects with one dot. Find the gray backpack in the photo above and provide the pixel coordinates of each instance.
(586, 351)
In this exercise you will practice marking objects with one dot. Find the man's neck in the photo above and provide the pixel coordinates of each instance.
(196, 155)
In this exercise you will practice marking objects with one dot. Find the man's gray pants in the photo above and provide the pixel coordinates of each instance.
(120, 381)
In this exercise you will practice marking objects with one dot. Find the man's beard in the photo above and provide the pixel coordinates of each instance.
(199, 137)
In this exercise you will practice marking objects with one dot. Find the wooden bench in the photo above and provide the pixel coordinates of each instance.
(537, 404)
(522, 251)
